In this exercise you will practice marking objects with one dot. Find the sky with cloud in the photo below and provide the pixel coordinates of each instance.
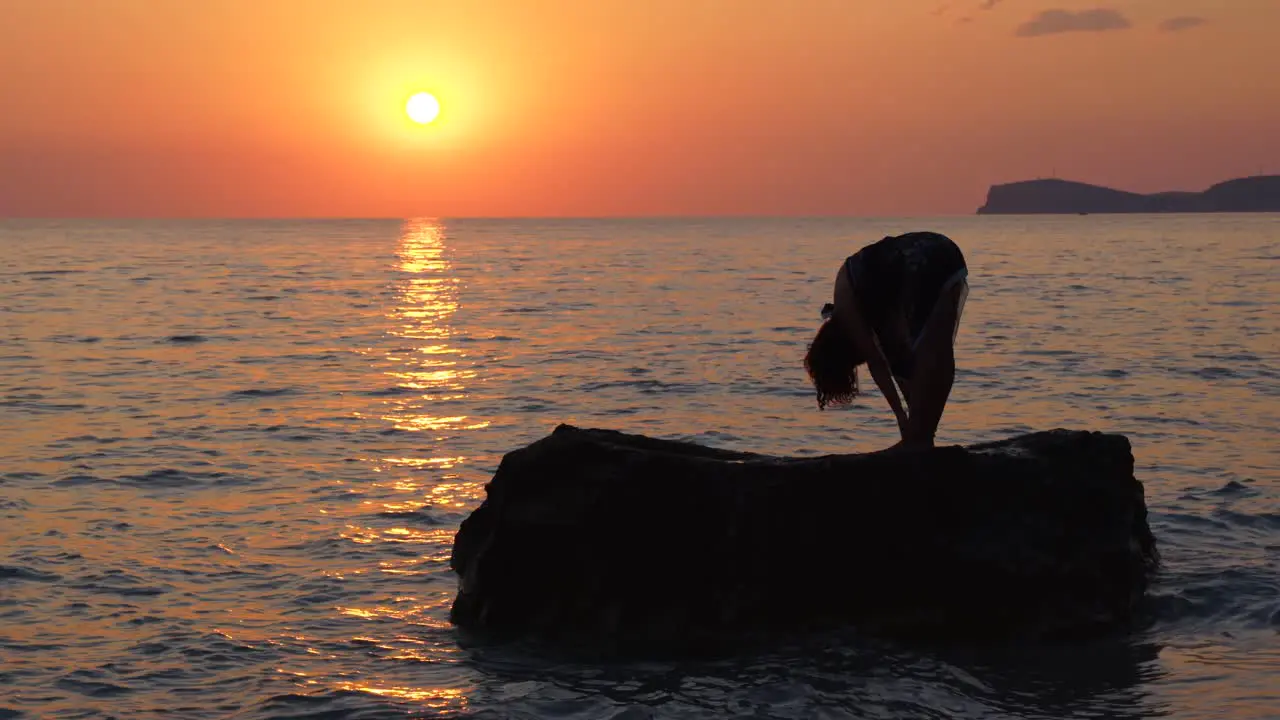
(617, 107)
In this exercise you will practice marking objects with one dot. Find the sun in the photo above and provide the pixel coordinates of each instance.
(422, 108)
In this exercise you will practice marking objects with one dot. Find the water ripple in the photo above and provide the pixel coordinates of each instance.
(234, 494)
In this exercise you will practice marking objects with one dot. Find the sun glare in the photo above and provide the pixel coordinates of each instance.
(422, 108)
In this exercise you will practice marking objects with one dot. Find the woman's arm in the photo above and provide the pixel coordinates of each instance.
(869, 347)
(880, 372)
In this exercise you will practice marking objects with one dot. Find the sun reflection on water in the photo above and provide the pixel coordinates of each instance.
(370, 536)
(434, 698)
(430, 375)
(419, 487)
(430, 365)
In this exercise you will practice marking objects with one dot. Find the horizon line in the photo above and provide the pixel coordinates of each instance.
(726, 216)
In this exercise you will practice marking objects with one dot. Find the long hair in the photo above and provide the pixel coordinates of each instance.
(832, 363)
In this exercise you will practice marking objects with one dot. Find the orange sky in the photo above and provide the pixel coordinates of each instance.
(620, 107)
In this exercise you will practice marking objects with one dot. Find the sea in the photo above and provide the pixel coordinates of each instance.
(234, 454)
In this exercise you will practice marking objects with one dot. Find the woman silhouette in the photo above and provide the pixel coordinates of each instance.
(897, 306)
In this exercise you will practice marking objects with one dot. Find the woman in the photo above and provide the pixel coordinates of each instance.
(897, 308)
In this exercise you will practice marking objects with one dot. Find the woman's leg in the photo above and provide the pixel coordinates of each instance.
(935, 368)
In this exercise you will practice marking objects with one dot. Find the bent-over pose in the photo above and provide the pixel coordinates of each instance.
(897, 308)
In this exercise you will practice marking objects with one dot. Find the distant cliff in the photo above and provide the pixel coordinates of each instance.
(1251, 194)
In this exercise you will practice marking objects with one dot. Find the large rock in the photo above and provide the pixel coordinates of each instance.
(619, 540)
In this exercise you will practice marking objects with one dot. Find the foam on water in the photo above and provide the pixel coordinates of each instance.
(233, 454)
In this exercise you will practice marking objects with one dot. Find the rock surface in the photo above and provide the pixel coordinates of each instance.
(623, 540)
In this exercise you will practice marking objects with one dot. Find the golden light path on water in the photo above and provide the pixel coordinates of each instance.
(429, 296)
(427, 366)
(426, 373)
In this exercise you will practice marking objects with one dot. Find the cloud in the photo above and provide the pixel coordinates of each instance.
(1185, 22)
(983, 6)
(1052, 22)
